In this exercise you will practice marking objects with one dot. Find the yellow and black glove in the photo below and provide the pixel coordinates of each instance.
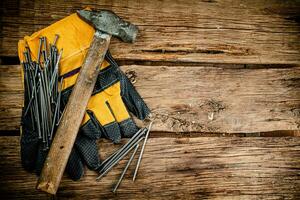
(107, 113)
(114, 96)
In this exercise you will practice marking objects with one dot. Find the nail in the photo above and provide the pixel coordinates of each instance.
(55, 39)
(142, 151)
(126, 148)
(126, 167)
(36, 112)
(39, 50)
(55, 113)
(28, 90)
(45, 49)
(27, 59)
(59, 98)
(115, 154)
(113, 164)
(30, 99)
(40, 109)
(123, 149)
(27, 56)
(55, 71)
(61, 116)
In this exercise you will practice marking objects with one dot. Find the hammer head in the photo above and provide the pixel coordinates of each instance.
(108, 22)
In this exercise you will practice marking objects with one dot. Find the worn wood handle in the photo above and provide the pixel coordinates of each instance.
(65, 136)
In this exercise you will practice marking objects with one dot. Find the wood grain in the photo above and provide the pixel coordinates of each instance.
(196, 98)
(191, 62)
(222, 31)
(181, 168)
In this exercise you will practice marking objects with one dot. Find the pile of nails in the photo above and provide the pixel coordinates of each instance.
(42, 90)
(132, 144)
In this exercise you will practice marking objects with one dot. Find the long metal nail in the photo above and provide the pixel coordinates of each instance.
(28, 106)
(28, 91)
(120, 154)
(53, 124)
(45, 49)
(36, 112)
(113, 164)
(123, 149)
(55, 39)
(56, 112)
(40, 109)
(61, 117)
(55, 72)
(142, 151)
(27, 59)
(39, 50)
(126, 167)
(59, 99)
(28, 54)
(115, 154)
(47, 98)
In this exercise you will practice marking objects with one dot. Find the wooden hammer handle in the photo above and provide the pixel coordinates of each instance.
(65, 136)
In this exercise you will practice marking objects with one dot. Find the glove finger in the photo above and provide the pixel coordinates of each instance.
(125, 122)
(88, 150)
(128, 127)
(91, 127)
(100, 113)
(75, 168)
(133, 101)
(113, 132)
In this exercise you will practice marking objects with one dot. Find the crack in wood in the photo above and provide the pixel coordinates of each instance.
(178, 51)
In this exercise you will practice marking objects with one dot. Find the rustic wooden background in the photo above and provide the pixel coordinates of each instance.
(222, 79)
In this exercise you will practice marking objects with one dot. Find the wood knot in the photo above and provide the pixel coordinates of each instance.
(131, 75)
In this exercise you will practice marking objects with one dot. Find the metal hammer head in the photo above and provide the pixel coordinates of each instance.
(108, 22)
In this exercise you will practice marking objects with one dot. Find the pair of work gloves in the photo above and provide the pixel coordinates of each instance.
(107, 114)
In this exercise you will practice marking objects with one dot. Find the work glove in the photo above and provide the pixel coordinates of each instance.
(108, 109)
(107, 114)
(75, 38)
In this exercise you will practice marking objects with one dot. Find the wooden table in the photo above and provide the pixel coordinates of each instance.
(222, 79)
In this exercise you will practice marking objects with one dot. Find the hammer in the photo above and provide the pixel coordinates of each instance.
(107, 24)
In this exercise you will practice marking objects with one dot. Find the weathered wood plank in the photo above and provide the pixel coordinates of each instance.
(181, 168)
(196, 99)
(220, 31)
